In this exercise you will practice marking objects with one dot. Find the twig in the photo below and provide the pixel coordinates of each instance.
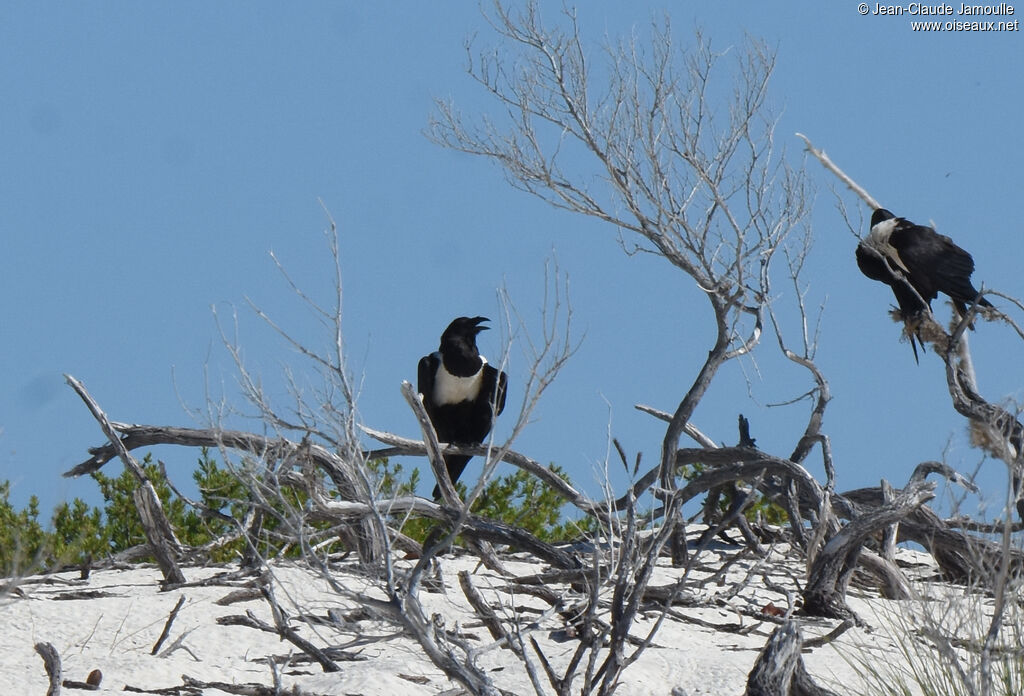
(282, 629)
(483, 610)
(289, 633)
(831, 166)
(167, 626)
(830, 636)
(179, 642)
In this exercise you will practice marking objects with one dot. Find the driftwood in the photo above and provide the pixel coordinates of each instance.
(960, 555)
(282, 628)
(999, 431)
(136, 436)
(509, 638)
(51, 660)
(162, 541)
(825, 594)
(129, 437)
(196, 687)
(91, 683)
(167, 625)
(779, 670)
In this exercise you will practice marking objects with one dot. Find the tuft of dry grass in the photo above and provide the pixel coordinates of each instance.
(945, 647)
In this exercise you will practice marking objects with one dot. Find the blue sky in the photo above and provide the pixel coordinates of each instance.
(153, 154)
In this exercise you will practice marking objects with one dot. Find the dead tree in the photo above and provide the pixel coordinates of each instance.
(994, 428)
(696, 182)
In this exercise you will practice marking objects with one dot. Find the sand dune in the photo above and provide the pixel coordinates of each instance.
(112, 620)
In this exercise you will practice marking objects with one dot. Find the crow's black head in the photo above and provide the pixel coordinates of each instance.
(465, 328)
(880, 215)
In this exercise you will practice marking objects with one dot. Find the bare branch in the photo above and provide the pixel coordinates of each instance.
(832, 167)
(162, 541)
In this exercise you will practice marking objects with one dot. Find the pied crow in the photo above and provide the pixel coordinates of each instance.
(462, 394)
(921, 257)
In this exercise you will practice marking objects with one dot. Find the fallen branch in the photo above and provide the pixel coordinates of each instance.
(159, 533)
(167, 626)
(483, 610)
(51, 660)
(512, 639)
(195, 687)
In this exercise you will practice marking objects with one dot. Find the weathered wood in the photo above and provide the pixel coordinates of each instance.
(191, 686)
(159, 533)
(892, 583)
(960, 556)
(337, 469)
(889, 532)
(405, 446)
(780, 670)
(484, 612)
(51, 660)
(444, 482)
(1005, 433)
(167, 625)
(292, 636)
(825, 594)
(286, 632)
(92, 682)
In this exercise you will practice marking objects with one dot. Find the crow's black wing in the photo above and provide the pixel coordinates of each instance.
(873, 265)
(495, 384)
(425, 373)
(938, 261)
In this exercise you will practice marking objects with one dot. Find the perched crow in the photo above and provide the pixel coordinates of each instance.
(462, 394)
(930, 262)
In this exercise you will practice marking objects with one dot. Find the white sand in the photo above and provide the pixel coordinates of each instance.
(116, 634)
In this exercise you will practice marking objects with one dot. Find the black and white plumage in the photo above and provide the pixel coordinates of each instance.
(917, 263)
(462, 394)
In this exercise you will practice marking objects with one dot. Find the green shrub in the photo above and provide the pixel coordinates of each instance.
(522, 500)
(518, 499)
(78, 531)
(22, 539)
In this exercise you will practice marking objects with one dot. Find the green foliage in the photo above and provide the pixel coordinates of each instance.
(388, 476)
(123, 527)
(518, 499)
(78, 531)
(767, 511)
(522, 500)
(391, 482)
(22, 539)
(221, 491)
